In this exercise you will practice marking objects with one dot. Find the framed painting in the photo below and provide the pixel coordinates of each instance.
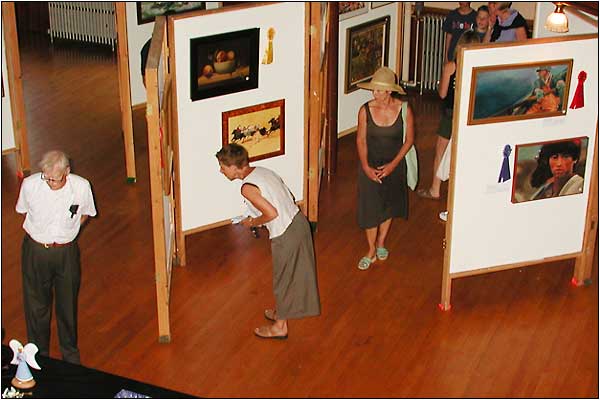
(259, 128)
(224, 63)
(376, 4)
(549, 169)
(147, 11)
(349, 9)
(367, 48)
(503, 93)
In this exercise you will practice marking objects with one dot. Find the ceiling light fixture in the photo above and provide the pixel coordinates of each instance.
(557, 21)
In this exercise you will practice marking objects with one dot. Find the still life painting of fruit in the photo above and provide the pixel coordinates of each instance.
(224, 63)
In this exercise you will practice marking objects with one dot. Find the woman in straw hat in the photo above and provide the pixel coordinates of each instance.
(382, 145)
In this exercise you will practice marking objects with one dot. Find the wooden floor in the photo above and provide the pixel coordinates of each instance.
(520, 333)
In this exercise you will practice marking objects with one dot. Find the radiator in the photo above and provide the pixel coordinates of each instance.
(83, 21)
(432, 55)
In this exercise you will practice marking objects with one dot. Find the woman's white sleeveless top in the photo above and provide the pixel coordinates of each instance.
(275, 192)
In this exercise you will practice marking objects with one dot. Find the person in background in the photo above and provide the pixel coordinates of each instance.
(493, 13)
(144, 59)
(555, 174)
(294, 271)
(382, 145)
(548, 91)
(446, 93)
(56, 205)
(482, 22)
(510, 25)
(457, 21)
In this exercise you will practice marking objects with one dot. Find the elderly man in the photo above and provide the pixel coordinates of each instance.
(56, 204)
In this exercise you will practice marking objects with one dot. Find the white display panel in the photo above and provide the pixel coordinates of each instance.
(207, 196)
(487, 228)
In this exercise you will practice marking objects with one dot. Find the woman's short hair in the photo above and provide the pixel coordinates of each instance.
(54, 159)
(233, 154)
(503, 5)
(542, 173)
(483, 8)
(467, 37)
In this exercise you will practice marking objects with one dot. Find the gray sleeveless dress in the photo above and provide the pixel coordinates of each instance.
(379, 202)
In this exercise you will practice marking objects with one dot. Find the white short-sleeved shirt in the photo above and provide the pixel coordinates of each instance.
(49, 217)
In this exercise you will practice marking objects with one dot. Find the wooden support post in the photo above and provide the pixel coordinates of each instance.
(446, 292)
(180, 252)
(15, 85)
(583, 263)
(332, 87)
(125, 90)
(155, 167)
(314, 122)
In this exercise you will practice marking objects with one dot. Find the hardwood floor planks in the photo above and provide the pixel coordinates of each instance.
(519, 333)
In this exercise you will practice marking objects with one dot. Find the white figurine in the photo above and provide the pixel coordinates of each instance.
(23, 357)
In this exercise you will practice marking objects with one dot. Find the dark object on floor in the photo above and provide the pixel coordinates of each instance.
(60, 379)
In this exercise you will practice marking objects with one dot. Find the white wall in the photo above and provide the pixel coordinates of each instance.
(8, 138)
(577, 24)
(206, 195)
(348, 104)
(137, 35)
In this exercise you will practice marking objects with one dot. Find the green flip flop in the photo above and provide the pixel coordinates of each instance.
(382, 253)
(365, 263)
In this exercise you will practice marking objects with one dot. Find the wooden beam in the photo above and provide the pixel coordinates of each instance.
(331, 111)
(582, 272)
(174, 124)
(314, 110)
(15, 85)
(590, 7)
(155, 165)
(125, 89)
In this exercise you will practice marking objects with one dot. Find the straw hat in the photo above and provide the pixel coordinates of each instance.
(383, 79)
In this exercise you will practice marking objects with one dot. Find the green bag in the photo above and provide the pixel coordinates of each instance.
(412, 164)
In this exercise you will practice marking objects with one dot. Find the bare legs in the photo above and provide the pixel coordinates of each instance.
(436, 182)
(376, 236)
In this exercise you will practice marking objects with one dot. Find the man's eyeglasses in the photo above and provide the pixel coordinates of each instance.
(52, 180)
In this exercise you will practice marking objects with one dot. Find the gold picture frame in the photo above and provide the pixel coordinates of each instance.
(512, 92)
(367, 49)
(259, 128)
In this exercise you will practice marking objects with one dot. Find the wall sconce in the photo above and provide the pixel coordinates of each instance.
(557, 21)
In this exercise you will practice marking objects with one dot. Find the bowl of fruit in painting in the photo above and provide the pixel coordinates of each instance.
(224, 61)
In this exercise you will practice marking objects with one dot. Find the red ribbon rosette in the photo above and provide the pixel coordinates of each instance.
(577, 101)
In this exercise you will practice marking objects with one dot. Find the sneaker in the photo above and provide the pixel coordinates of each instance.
(444, 216)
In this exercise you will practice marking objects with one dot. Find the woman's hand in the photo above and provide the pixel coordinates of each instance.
(385, 170)
(372, 173)
(247, 222)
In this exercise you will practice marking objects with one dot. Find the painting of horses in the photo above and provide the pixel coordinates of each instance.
(519, 91)
(259, 128)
